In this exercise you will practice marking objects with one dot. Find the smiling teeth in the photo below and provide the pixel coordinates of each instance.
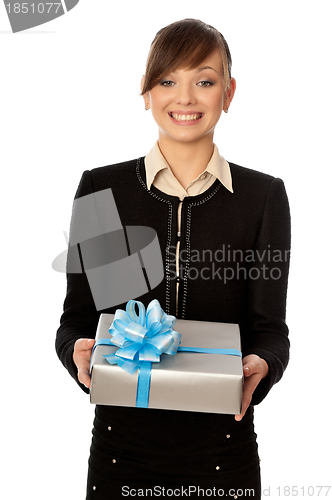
(186, 118)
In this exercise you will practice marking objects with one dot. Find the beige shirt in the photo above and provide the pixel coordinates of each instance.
(159, 173)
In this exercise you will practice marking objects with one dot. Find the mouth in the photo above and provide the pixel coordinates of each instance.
(186, 117)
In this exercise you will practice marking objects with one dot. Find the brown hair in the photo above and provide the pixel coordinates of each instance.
(184, 44)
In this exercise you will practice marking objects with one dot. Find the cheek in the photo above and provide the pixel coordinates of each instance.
(218, 102)
(158, 100)
(214, 102)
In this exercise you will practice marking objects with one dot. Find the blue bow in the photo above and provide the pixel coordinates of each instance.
(142, 338)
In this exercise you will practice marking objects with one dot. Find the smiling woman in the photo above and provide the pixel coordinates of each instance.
(196, 202)
(186, 105)
(187, 85)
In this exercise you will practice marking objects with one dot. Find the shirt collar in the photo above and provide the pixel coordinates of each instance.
(217, 166)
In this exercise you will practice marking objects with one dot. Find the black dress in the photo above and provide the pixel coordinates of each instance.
(145, 449)
(175, 451)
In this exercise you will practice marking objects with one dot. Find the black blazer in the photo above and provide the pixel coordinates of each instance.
(233, 267)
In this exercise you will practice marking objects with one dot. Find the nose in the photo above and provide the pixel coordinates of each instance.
(185, 95)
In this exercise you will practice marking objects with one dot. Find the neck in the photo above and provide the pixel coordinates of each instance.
(187, 160)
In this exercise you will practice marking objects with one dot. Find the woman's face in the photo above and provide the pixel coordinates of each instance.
(187, 104)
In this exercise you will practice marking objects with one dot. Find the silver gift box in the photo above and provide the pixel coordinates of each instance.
(185, 381)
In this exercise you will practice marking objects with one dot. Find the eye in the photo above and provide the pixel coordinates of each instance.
(205, 83)
(167, 83)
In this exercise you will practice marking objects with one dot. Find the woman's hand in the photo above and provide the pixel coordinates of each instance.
(81, 357)
(254, 369)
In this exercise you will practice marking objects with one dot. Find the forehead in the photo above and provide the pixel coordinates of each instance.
(212, 62)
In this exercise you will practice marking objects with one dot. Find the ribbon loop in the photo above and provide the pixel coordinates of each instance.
(130, 310)
(135, 332)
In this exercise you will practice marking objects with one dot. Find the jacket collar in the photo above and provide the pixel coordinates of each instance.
(217, 166)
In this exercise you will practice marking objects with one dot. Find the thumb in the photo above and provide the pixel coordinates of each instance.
(246, 371)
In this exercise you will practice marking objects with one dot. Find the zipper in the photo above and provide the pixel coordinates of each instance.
(171, 289)
(178, 277)
(176, 288)
(185, 230)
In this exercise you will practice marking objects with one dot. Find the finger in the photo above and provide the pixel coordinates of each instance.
(250, 367)
(83, 376)
(249, 386)
(245, 405)
(82, 350)
(255, 364)
(246, 400)
(243, 412)
(81, 357)
(83, 344)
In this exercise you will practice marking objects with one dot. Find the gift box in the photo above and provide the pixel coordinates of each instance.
(187, 381)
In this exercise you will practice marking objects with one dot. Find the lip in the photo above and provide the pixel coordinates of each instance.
(185, 123)
(180, 112)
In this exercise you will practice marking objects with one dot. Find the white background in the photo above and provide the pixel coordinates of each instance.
(69, 102)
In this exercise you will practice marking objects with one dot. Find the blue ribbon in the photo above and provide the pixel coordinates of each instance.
(142, 339)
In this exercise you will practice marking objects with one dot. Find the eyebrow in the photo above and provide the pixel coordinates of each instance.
(206, 67)
(202, 68)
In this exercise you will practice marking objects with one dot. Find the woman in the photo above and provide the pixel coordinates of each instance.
(199, 204)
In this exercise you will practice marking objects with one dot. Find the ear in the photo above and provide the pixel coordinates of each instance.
(146, 95)
(142, 82)
(229, 93)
